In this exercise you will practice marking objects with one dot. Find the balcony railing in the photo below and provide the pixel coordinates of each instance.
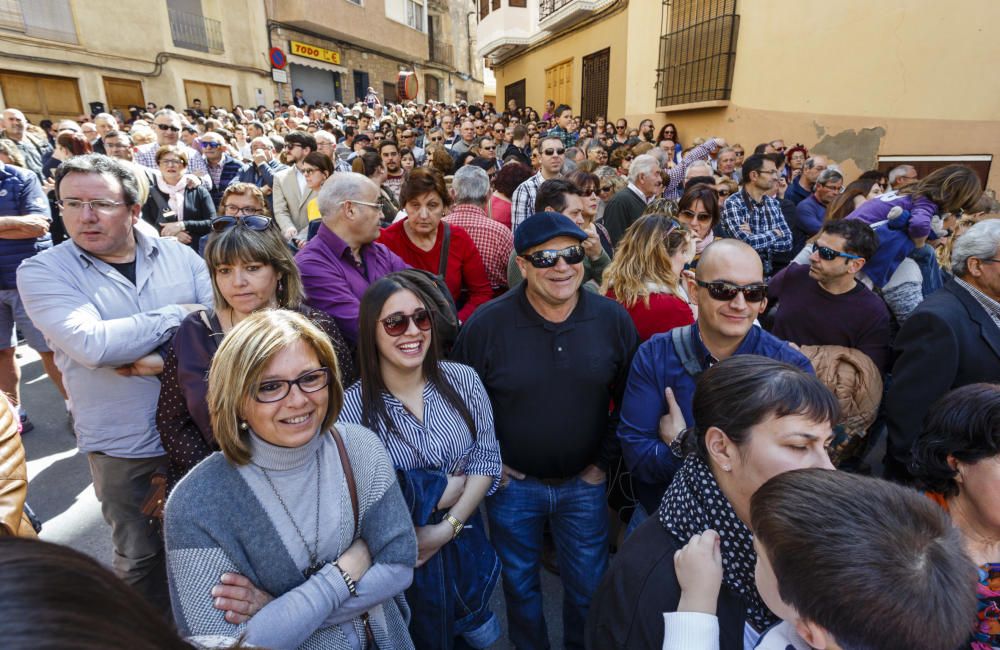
(548, 7)
(442, 53)
(195, 32)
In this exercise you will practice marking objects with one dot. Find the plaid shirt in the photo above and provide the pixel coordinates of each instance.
(146, 156)
(675, 175)
(493, 240)
(524, 200)
(769, 233)
(229, 170)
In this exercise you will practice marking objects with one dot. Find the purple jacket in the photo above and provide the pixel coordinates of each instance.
(334, 283)
(921, 210)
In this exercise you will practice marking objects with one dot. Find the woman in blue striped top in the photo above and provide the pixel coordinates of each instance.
(436, 422)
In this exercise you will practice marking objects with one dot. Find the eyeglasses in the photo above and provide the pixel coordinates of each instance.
(987, 260)
(554, 152)
(593, 190)
(100, 206)
(275, 390)
(493, 148)
(211, 145)
(378, 204)
(606, 188)
(238, 211)
(172, 161)
(621, 128)
(548, 258)
(831, 254)
(724, 192)
(696, 216)
(397, 324)
(309, 170)
(168, 127)
(256, 222)
(726, 292)
(769, 172)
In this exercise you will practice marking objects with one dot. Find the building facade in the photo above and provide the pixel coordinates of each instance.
(852, 80)
(337, 49)
(58, 57)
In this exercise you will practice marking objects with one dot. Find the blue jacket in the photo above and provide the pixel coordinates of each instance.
(262, 177)
(656, 366)
(450, 595)
(20, 194)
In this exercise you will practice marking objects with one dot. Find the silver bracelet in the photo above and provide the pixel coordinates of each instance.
(348, 580)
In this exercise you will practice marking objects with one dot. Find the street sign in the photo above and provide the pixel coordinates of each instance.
(278, 58)
(280, 76)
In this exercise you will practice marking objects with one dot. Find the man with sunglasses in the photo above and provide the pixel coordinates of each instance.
(552, 154)
(554, 359)
(291, 192)
(755, 218)
(730, 293)
(223, 169)
(167, 127)
(823, 302)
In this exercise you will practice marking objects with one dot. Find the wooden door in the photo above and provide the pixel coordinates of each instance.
(121, 93)
(209, 94)
(559, 82)
(41, 97)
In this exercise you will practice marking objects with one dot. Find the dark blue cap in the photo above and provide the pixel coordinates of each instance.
(543, 226)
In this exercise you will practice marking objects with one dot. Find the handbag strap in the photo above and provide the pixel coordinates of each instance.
(345, 462)
(443, 262)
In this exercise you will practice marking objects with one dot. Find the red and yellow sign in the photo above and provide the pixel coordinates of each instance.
(313, 52)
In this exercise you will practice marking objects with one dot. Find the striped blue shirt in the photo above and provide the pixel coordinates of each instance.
(442, 441)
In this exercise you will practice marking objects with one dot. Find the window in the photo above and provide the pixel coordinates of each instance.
(408, 12)
(432, 88)
(484, 9)
(594, 95)
(191, 30)
(389, 92)
(517, 3)
(516, 92)
(697, 51)
(461, 95)
(979, 163)
(48, 19)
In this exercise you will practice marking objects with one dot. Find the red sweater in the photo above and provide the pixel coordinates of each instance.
(664, 313)
(465, 266)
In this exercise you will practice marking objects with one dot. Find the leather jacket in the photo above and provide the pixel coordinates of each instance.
(13, 476)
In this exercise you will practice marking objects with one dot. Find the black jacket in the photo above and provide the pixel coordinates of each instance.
(627, 609)
(947, 342)
(198, 211)
(622, 211)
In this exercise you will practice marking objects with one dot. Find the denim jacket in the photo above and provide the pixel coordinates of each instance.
(450, 594)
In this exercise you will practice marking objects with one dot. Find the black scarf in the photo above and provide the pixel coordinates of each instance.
(694, 503)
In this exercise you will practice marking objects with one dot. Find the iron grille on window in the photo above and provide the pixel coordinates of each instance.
(548, 7)
(594, 98)
(697, 51)
(195, 32)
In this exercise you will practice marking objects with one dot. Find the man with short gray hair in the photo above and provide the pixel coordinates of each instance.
(901, 176)
(810, 213)
(471, 191)
(803, 184)
(343, 259)
(644, 183)
(952, 339)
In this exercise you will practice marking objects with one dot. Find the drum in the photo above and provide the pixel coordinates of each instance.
(407, 86)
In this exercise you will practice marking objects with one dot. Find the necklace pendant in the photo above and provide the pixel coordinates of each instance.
(313, 568)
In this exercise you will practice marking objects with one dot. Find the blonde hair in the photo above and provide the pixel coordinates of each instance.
(239, 364)
(643, 257)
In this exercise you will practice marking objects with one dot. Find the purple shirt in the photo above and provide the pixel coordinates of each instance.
(334, 282)
(922, 210)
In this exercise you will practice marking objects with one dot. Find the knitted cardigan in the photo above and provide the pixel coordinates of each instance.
(206, 537)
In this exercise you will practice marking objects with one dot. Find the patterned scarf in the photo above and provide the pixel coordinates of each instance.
(694, 503)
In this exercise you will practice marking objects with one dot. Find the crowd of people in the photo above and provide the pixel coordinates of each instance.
(339, 371)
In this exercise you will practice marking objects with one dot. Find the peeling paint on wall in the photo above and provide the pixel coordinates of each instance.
(860, 146)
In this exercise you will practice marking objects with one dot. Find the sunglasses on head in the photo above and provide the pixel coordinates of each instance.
(725, 292)
(831, 254)
(397, 324)
(252, 221)
(546, 259)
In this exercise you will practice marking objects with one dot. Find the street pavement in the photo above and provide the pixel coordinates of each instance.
(62, 495)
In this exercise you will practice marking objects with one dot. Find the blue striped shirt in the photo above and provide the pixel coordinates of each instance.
(442, 441)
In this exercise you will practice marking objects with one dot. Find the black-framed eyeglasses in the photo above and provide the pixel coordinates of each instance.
(828, 254)
(546, 259)
(168, 127)
(554, 152)
(726, 291)
(275, 390)
(396, 324)
(256, 222)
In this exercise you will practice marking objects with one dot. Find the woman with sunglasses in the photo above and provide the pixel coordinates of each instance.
(316, 167)
(425, 242)
(589, 186)
(435, 420)
(252, 269)
(296, 535)
(698, 209)
(645, 275)
(173, 207)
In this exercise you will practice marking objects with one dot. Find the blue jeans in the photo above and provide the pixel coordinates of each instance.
(579, 521)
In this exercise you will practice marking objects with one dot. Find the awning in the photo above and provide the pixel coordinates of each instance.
(319, 65)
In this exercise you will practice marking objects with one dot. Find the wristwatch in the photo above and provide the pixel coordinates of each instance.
(455, 524)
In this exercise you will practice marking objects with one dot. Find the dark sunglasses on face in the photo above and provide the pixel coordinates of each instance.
(397, 324)
(724, 192)
(606, 188)
(830, 254)
(697, 216)
(253, 222)
(554, 152)
(211, 145)
(548, 258)
(726, 292)
(168, 127)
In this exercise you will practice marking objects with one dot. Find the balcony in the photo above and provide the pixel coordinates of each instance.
(51, 20)
(442, 53)
(506, 30)
(554, 15)
(195, 32)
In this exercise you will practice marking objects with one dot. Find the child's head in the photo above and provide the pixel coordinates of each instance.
(861, 563)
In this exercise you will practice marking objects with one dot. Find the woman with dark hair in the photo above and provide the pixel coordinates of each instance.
(957, 460)
(669, 132)
(435, 420)
(698, 209)
(754, 418)
(316, 167)
(369, 163)
(425, 242)
(462, 160)
(589, 186)
(252, 269)
(621, 159)
(853, 196)
(505, 182)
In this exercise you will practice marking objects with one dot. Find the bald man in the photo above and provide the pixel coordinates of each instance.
(729, 294)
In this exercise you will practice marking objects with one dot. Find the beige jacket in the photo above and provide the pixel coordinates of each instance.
(13, 476)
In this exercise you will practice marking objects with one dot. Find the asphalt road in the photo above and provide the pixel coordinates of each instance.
(62, 495)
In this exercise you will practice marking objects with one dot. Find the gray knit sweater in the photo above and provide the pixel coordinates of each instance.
(246, 530)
